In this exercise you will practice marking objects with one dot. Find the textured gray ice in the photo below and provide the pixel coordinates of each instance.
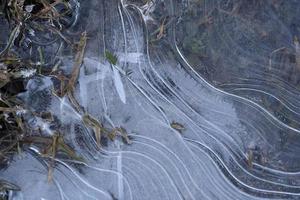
(206, 161)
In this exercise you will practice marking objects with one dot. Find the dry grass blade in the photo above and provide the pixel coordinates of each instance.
(14, 34)
(58, 32)
(6, 109)
(52, 157)
(53, 146)
(69, 90)
(161, 30)
(45, 141)
(73, 101)
(63, 147)
(77, 62)
(49, 11)
(5, 185)
(11, 145)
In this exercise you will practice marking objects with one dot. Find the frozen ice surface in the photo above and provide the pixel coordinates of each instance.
(208, 160)
(119, 85)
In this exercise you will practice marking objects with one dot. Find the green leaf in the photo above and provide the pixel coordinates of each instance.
(111, 58)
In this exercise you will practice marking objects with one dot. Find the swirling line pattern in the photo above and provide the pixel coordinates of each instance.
(223, 119)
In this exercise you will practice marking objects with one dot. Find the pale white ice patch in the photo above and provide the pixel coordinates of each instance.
(119, 85)
(26, 73)
(134, 57)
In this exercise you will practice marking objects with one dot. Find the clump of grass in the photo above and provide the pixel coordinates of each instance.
(100, 130)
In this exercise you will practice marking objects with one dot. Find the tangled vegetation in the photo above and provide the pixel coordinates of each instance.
(33, 28)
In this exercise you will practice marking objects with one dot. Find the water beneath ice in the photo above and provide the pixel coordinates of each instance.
(225, 69)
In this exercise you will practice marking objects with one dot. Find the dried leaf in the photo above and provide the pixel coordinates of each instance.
(95, 125)
(177, 126)
(250, 158)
